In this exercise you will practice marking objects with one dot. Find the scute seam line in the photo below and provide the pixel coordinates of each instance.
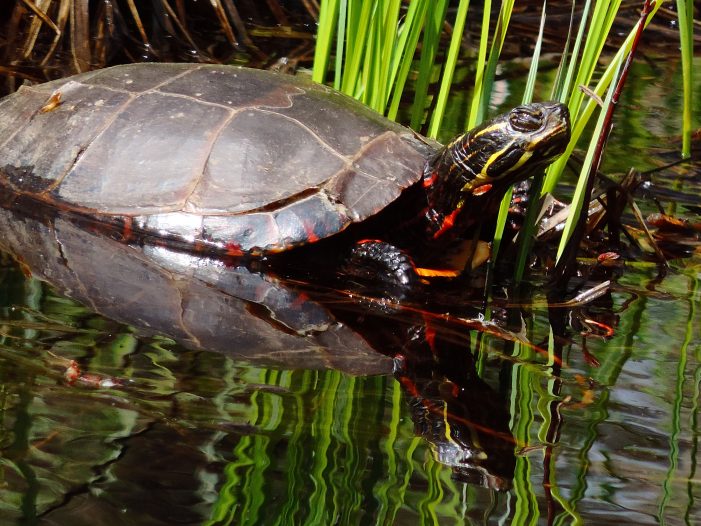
(108, 122)
(326, 146)
(225, 122)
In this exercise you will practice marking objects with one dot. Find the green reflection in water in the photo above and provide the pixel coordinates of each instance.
(310, 447)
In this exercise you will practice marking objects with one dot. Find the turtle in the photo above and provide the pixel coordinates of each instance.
(248, 163)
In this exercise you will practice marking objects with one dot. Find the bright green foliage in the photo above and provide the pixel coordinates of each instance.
(373, 60)
(685, 12)
(602, 18)
(449, 67)
(583, 71)
(376, 45)
(484, 83)
(429, 48)
(578, 199)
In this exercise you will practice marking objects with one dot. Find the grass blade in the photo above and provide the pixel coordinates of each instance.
(322, 52)
(476, 116)
(432, 34)
(449, 68)
(685, 14)
(404, 56)
(494, 53)
(580, 116)
(578, 200)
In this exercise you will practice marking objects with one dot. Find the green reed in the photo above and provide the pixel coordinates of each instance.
(529, 225)
(685, 14)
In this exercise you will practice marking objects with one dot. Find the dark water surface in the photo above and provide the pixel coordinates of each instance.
(184, 403)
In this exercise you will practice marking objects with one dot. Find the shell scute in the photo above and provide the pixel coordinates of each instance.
(235, 87)
(48, 144)
(379, 173)
(341, 122)
(241, 175)
(151, 136)
(253, 233)
(309, 219)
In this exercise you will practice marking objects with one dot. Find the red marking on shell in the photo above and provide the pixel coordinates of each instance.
(200, 247)
(309, 230)
(300, 300)
(233, 249)
(363, 241)
(480, 190)
(448, 223)
(127, 230)
(430, 180)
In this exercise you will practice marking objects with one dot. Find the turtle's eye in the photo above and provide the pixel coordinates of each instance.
(526, 120)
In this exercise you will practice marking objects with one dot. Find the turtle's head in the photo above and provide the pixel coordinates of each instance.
(491, 157)
(512, 146)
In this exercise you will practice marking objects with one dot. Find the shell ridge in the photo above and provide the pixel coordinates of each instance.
(175, 77)
(195, 99)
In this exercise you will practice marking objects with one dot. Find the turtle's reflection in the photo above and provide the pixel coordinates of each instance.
(465, 420)
(266, 320)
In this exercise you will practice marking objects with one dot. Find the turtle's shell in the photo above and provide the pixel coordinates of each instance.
(232, 158)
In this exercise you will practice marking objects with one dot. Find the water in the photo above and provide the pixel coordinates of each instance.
(163, 410)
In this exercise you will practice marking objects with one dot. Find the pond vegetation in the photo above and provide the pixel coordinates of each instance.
(531, 407)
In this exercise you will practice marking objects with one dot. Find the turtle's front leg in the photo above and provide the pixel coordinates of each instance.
(379, 263)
